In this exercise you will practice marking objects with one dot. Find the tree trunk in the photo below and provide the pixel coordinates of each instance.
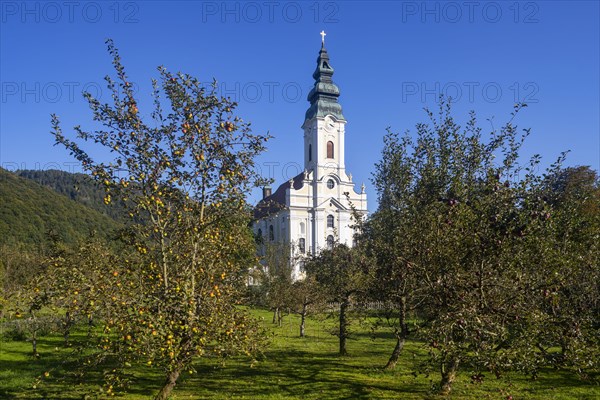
(275, 312)
(34, 344)
(448, 369)
(67, 328)
(343, 326)
(401, 336)
(391, 364)
(170, 383)
(302, 320)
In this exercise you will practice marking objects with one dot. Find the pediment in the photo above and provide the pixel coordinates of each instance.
(333, 202)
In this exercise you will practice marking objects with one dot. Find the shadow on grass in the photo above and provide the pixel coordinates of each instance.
(292, 368)
(296, 374)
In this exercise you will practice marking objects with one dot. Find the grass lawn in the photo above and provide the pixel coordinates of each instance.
(292, 368)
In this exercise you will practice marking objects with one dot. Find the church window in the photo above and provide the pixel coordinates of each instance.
(259, 235)
(310, 152)
(330, 221)
(330, 242)
(271, 233)
(302, 245)
(330, 149)
(330, 184)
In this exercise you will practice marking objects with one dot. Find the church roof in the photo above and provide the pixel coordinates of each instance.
(276, 202)
(323, 97)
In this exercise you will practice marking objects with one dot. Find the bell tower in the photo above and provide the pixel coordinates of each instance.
(324, 123)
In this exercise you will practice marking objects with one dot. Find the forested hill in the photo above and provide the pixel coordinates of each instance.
(78, 187)
(29, 211)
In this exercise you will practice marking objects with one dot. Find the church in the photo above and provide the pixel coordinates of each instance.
(311, 211)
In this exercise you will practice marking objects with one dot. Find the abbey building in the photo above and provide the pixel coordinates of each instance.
(311, 211)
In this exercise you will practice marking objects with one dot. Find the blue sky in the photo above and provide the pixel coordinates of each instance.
(391, 59)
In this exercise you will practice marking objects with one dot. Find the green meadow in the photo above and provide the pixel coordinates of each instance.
(290, 368)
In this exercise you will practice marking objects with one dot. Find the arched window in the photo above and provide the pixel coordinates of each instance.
(302, 245)
(259, 236)
(310, 152)
(330, 184)
(330, 149)
(271, 233)
(330, 242)
(330, 221)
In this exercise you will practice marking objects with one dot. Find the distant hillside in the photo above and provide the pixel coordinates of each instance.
(78, 187)
(29, 210)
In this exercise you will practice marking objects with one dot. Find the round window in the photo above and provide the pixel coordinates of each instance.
(330, 184)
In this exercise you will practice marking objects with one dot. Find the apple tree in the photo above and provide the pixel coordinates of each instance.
(396, 286)
(308, 298)
(455, 238)
(273, 275)
(344, 273)
(182, 171)
(565, 330)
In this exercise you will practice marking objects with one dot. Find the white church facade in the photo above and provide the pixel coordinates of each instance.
(312, 210)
